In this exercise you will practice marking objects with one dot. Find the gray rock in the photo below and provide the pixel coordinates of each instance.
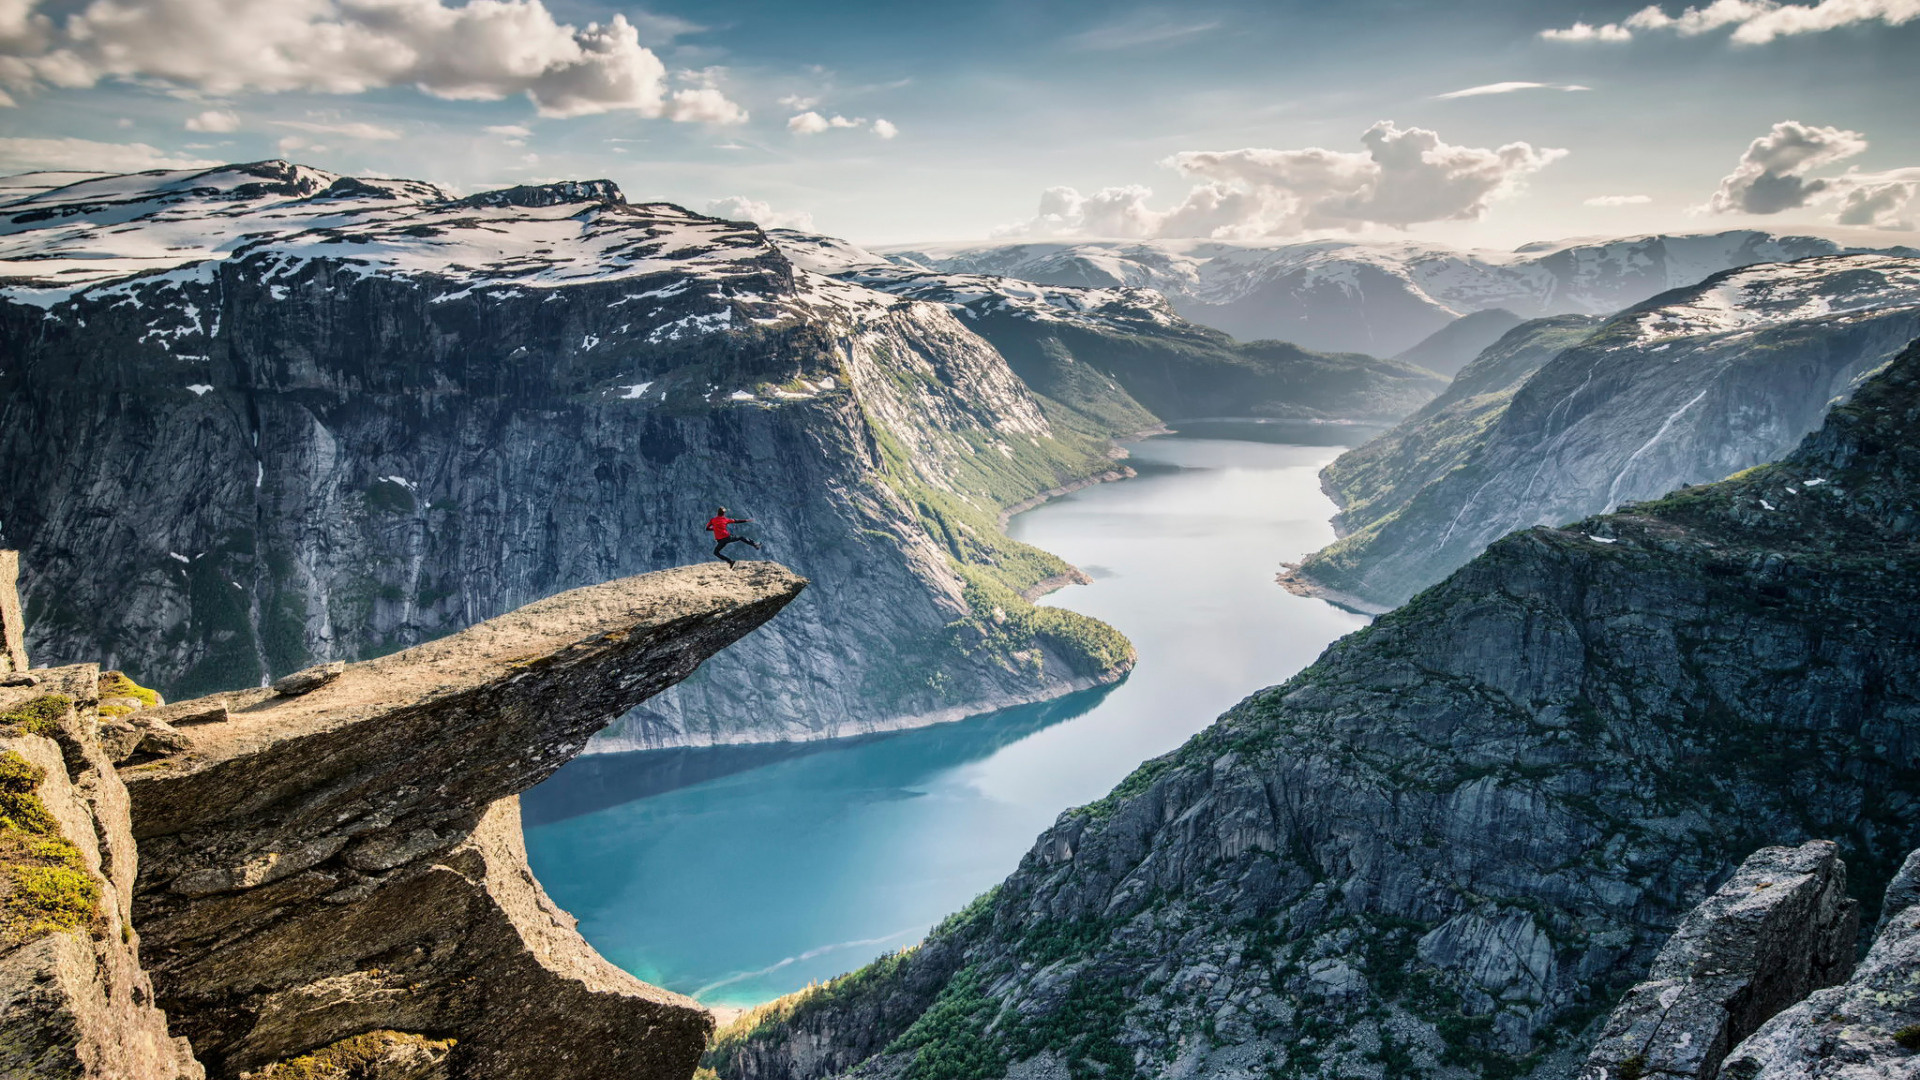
(1779, 929)
(76, 1002)
(1679, 390)
(1866, 1029)
(13, 639)
(388, 454)
(1496, 802)
(1902, 892)
(324, 866)
(309, 680)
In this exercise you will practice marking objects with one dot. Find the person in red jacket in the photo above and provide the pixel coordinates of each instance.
(722, 535)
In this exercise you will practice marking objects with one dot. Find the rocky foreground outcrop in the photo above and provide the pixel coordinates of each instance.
(1747, 987)
(1780, 928)
(1456, 838)
(1868, 1027)
(333, 869)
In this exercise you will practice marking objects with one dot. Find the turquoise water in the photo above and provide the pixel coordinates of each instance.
(739, 874)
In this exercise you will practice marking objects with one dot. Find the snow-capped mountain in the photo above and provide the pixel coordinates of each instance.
(1687, 388)
(261, 415)
(1067, 340)
(1378, 298)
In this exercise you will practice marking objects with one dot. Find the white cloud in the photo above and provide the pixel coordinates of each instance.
(481, 50)
(294, 144)
(511, 131)
(812, 123)
(1772, 174)
(1887, 201)
(1403, 177)
(1506, 88)
(1618, 200)
(344, 129)
(807, 123)
(795, 101)
(741, 208)
(1754, 22)
(1579, 31)
(214, 120)
(21, 155)
(705, 105)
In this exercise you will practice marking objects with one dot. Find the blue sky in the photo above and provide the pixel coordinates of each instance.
(990, 104)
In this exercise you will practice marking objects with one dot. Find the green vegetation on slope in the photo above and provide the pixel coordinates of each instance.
(1192, 372)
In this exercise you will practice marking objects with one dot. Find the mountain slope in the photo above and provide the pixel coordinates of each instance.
(1377, 298)
(1456, 837)
(1454, 345)
(1689, 387)
(263, 414)
(1078, 346)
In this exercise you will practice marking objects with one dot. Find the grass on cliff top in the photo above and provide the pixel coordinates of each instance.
(116, 684)
(369, 1055)
(41, 716)
(44, 885)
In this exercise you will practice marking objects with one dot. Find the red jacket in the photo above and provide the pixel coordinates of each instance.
(718, 526)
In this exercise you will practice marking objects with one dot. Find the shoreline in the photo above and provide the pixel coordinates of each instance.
(1291, 579)
(1052, 691)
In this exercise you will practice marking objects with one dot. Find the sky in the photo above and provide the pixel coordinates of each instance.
(1486, 124)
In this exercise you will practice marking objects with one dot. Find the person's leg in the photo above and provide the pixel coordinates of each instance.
(719, 550)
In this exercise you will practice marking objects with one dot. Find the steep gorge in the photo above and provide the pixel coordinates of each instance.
(1453, 841)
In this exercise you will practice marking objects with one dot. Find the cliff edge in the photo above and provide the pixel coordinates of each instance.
(333, 867)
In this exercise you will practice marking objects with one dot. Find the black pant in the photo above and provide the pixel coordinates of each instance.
(721, 544)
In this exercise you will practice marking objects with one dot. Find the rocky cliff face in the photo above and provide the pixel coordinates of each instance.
(261, 416)
(1688, 388)
(330, 872)
(1454, 840)
(1375, 298)
(1097, 350)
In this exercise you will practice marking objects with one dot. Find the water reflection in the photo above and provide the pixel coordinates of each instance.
(598, 781)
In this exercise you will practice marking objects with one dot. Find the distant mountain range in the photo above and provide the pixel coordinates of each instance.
(1370, 297)
(1571, 416)
(1068, 342)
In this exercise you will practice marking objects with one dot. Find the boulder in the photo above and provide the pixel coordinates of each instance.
(1866, 1029)
(1781, 927)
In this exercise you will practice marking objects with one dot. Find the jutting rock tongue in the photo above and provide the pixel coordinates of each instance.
(348, 860)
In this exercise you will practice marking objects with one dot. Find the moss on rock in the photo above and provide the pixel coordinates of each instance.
(371, 1055)
(41, 716)
(44, 884)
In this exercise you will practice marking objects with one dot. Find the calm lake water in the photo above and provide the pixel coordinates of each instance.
(739, 874)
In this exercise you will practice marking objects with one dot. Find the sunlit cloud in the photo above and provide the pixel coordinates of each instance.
(1507, 88)
(1754, 22)
(23, 155)
(1401, 177)
(470, 52)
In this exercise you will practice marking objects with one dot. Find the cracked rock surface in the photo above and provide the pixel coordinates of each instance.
(350, 860)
